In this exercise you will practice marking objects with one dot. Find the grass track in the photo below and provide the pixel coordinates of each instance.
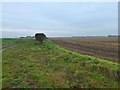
(47, 65)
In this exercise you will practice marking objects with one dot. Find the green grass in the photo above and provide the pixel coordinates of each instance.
(6, 42)
(31, 65)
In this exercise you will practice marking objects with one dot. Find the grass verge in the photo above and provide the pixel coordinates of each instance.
(46, 65)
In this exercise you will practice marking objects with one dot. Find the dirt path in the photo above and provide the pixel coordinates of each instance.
(9, 47)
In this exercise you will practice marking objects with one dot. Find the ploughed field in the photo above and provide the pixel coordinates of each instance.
(103, 48)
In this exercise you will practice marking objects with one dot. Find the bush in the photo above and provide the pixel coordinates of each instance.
(41, 37)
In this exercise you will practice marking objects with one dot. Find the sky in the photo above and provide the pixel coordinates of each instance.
(59, 19)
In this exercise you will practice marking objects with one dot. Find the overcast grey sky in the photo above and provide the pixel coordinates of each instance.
(59, 19)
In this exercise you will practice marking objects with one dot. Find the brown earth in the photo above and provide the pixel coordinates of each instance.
(103, 48)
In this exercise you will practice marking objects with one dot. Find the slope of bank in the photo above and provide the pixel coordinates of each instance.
(47, 65)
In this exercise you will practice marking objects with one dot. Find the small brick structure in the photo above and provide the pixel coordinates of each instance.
(40, 37)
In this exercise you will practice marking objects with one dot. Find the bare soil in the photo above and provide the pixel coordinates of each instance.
(103, 48)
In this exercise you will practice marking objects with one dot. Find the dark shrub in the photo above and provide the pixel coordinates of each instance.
(41, 37)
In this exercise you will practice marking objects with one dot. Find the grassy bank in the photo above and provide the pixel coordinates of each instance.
(6, 42)
(47, 65)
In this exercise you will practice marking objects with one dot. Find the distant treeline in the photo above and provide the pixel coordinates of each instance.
(95, 36)
(76, 36)
(28, 37)
(113, 35)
